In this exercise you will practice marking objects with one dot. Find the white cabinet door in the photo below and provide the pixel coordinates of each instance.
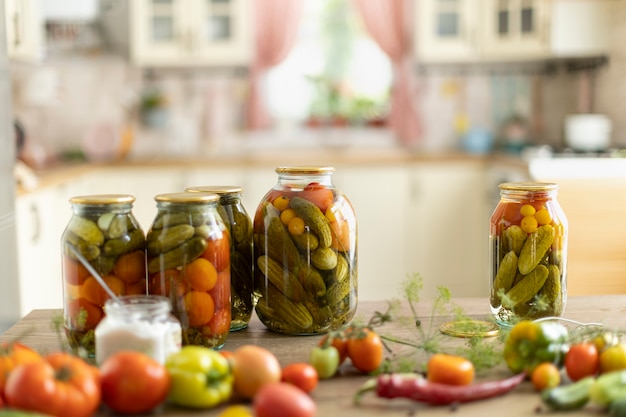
(24, 29)
(448, 227)
(39, 229)
(446, 30)
(516, 29)
(379, 196)
(190, 32)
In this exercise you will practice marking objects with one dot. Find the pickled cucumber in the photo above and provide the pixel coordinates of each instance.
(505, 276)
(87, 230)
(528, 287)
(513, 239)
(535, 248)
(164, 240)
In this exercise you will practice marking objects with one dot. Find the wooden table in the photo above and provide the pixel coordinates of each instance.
(334, 397)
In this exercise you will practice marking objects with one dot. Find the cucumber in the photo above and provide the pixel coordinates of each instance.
(568, 397)
(618, 407)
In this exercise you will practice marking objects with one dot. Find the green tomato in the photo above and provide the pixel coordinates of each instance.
(325, 360)
(201, 377)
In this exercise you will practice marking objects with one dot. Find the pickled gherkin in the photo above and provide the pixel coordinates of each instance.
(305, 242)
(105, 232)
(528, 257)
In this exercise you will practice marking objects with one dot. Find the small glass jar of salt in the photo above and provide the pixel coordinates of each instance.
(141, 323)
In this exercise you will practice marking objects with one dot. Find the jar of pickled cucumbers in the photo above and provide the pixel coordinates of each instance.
(104, 231)
(239, 227)
(305, 251)
(528, 253)
(188, 261)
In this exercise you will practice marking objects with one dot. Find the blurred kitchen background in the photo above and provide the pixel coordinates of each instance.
(422, 106)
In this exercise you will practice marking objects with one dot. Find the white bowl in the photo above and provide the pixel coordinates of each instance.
(587, 132)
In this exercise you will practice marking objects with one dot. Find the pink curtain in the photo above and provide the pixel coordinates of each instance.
(389, 23)
(276, 25)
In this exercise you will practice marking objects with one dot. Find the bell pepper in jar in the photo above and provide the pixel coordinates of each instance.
(305, 242)
(528, 253)
(188, 261)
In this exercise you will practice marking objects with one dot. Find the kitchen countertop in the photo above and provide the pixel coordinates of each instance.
(334, 396)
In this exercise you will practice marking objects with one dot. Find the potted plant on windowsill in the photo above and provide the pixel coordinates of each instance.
(154, 109)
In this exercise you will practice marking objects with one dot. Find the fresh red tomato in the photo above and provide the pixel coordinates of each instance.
(301, 375)
(280, 399)
(254, 367)
(133, 383)
(12, 355)
(581, 360)
(365, 350)
(450, 369)
(61, 385)
(319, 195)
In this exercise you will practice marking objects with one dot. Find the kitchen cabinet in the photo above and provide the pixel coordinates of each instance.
(453, 31)
(24, 29)
(180, 32)
(447, 227)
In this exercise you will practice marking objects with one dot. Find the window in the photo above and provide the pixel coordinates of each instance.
(334, 71)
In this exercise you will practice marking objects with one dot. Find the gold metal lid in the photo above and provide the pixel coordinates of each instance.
(217, 189)
(187, 198)
(529, 186)
(305, 170)
(102, 199)
(469, 328)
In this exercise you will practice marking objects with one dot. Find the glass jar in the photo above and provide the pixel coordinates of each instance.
(528, 253)
(103, 229)
(140, 323)
(239, 226)
(188, 258)
(305, 251)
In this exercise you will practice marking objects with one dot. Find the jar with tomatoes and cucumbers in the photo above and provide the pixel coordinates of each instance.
(104, 231)
(239, 227)
(305, 251)
(188, 261)
(528, 253)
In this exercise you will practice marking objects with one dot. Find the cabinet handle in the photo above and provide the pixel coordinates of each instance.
(34, 210)
(16, 29)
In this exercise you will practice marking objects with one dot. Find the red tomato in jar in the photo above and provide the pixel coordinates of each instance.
(280, 399)
(133, 383)
(581, 360)
(301, 375)
(319, 195)
(450, 369)
(61, 385)
(218, 251)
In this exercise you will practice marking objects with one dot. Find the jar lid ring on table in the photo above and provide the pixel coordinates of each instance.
(470, 328)
(216, 189)
(187, 198)
(102, 199)
(305, 170)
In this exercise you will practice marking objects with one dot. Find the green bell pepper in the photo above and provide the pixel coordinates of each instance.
(530, 343)
(201, 377)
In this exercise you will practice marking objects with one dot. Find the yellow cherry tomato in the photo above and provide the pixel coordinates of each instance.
(287, 215)
(527, 210)
(529, 224)
(296, 226)
(281, 202)
(543, 216)
(237, 411)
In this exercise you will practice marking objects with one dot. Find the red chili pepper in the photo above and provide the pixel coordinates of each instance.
(418, 388)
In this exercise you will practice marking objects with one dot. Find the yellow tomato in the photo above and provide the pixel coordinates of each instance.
(236, 411)
(613, 358)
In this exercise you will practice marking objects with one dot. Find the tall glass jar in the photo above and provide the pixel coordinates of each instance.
(141, 323)
(103, 229)
(305, 249)
(528, 253)
(239, 226)
(188, 258)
